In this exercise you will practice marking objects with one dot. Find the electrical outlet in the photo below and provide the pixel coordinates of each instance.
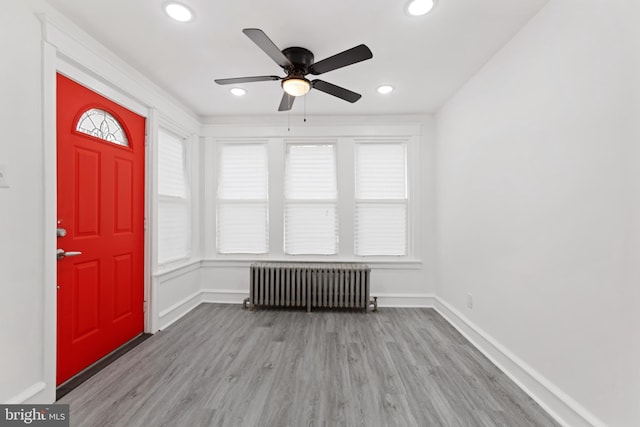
(469, 301)
(3, 177)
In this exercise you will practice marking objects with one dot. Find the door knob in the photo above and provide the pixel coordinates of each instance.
(60, 253)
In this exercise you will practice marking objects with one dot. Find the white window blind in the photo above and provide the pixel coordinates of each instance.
(311, 191)
(174, 224)
(242, 201)
(381, 199)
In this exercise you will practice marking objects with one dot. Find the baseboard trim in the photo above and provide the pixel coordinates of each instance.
(178, 310)
(405, 300)
(558, 404)
(28, 393)
(223, 296)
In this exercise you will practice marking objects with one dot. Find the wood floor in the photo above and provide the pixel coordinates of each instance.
(224, 366)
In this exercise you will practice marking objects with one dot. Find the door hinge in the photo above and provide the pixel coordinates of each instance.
(144, 307)
(145, 223)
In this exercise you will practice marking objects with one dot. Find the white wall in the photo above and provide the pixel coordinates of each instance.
(533, 203)
(21, 224)
(633, 291)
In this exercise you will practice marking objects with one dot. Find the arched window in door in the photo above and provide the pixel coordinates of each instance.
(101, 124)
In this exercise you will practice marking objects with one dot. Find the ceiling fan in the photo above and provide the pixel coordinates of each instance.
(297, 62)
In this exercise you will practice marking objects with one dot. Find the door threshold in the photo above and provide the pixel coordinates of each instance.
(75, 381)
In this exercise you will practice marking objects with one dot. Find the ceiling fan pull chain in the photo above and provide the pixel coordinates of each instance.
(289, 121)
(305, 109)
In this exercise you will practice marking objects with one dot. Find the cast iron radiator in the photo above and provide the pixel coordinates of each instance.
(326, 285)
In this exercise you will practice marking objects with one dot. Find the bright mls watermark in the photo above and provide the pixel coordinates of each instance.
(34, 415)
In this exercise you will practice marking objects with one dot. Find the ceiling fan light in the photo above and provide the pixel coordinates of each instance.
(420, 7)
(296, 86)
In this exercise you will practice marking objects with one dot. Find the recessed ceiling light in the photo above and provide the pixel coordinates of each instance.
(420, 7)
(178, 11)
(385, 89)
(237, 91)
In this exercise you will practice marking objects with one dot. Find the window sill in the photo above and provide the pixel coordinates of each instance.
(379, 264)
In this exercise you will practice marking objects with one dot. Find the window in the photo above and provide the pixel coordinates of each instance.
(314, 196)
(174, 224)
(311, 191)
(102, 125)
(381, 199)
(242, 199)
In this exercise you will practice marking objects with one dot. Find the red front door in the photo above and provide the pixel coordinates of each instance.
(100, 151)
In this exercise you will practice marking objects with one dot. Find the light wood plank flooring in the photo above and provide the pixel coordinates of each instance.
(224, 366)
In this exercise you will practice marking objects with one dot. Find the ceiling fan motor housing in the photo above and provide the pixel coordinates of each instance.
(301, 58)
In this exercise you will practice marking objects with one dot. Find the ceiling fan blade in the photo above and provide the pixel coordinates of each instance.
(246, 80)
(260, 38)
(337, 91)
(342, 59)
(287, 102)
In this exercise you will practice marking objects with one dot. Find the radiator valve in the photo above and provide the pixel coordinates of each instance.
(374, 303)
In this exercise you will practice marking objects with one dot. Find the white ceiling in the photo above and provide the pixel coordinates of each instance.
(425, 58)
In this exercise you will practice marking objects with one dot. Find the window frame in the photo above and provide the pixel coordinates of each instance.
(108, 114)
(167, 199)
(406, 201)
(310, 202)
(220, 202)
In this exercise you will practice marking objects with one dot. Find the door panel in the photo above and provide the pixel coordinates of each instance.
(123, 200)
(85, 299)
(87, 192)
(123, 286)
(101, 207)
